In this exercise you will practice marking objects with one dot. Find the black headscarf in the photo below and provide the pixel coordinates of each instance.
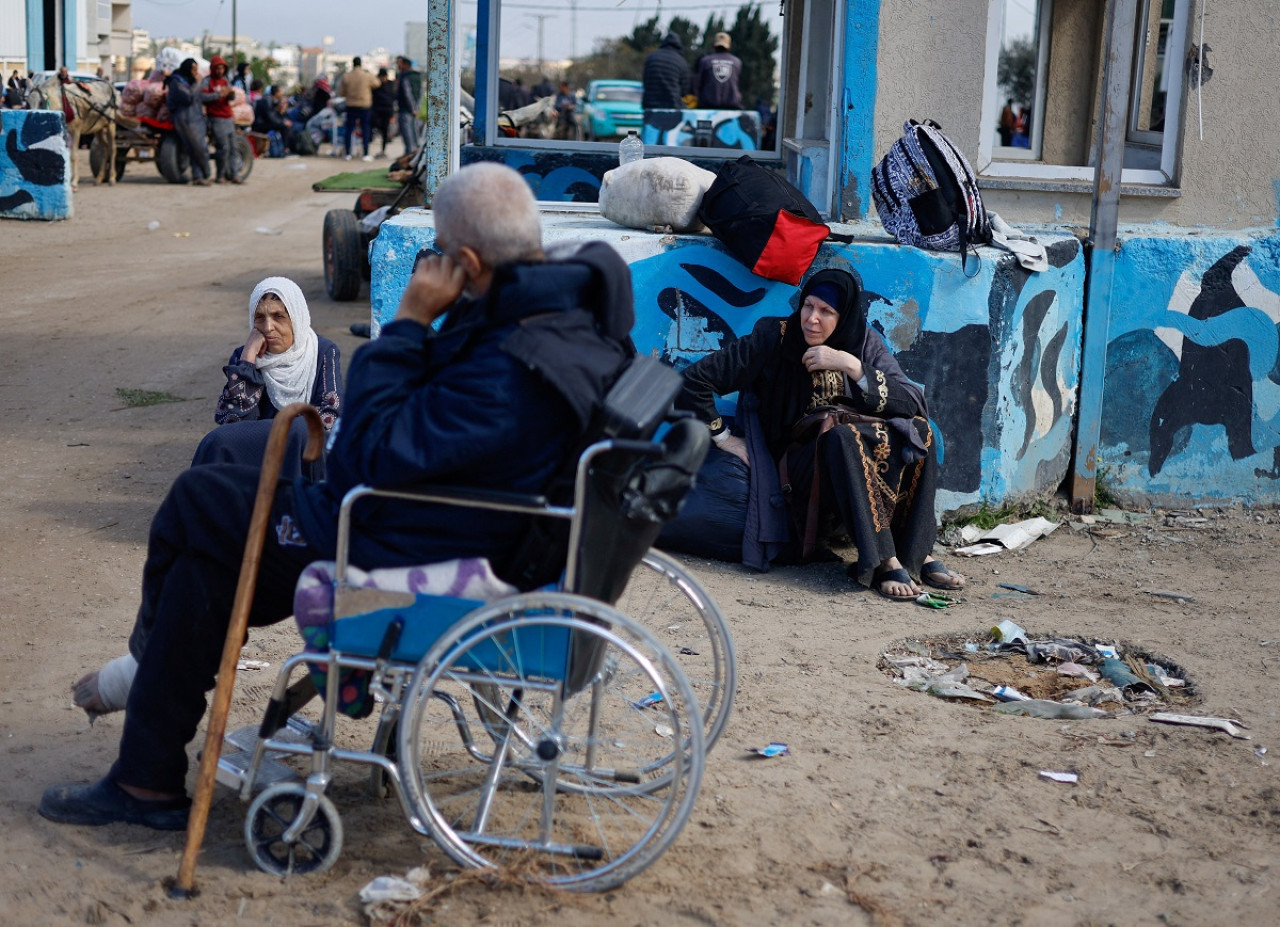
(188, 71)
(789, 386)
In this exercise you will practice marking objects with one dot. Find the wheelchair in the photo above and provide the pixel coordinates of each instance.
(551, 733)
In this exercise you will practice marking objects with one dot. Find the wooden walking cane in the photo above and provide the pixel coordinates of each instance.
(267, 482)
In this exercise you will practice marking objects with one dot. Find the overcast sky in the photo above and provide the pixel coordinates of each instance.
(357, 27)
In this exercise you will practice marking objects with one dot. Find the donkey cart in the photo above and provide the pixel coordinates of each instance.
(142, 139)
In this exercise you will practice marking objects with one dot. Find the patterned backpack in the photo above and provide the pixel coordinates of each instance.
(926, 192)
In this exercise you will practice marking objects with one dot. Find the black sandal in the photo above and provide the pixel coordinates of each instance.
(881, 576)
(936, 568)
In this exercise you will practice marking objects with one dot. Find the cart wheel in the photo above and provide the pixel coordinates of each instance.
(317, 847)
(343, 271)
(173, 160)
(98, 154)
(241, 157)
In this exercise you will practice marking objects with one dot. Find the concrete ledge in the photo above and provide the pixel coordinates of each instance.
(35, 166)
(997, 352)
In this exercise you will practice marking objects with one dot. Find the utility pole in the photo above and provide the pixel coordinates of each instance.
(233, 39)
(541, 18)
(573, 30)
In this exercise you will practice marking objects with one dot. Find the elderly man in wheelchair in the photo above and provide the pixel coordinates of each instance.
(580, 738)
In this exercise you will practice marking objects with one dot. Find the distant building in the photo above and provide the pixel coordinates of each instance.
(81, 34)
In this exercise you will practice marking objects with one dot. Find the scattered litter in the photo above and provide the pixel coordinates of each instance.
(252, 665)
(1075, 669)
(1120, 517)
(1011, 595)
(1165, 594)
(1043, 708)
(938, 600)
(1060, 776)
(153, 225)
(648, 701)
(181, 234)
(979, 550)
(1230, 725)
(772, 750)
(1007, 631)
(1013, 536)
(386, 897)
(664, 730)
(389, 888)
(1025, 590)
(263, 230)
(1259, 752)
(689, 652)
(1095, 695)
(1012, 671)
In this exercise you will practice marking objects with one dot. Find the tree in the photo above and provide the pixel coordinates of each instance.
(645, 37)
(1016, 71)
(758, 49)
(715, 23)
(689, 37)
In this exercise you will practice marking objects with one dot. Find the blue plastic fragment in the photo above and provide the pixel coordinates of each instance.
(648, 701)
(774, 749)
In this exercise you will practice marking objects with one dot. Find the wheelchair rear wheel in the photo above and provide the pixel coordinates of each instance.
(270, 816)
(670, 603)
(579, 785)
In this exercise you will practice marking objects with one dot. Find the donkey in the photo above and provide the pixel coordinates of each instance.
(90, 108)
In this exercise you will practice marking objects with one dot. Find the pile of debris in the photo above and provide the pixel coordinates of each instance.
(1049, 677)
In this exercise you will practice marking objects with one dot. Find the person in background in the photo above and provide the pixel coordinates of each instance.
(357, 87)
(186, 103)
(544, 88)
(384, 107)
(566, 112)
(269, 115)
(716, 84)
(218, 112)
(243, 79)
(666, 75)
(408, 95)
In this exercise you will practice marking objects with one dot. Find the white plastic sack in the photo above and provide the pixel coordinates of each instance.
(655, 192)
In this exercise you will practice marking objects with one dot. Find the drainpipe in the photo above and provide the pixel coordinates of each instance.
(441, 134)
(1101, 246)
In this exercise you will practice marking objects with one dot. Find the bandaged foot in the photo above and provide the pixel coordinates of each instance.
(106, 690)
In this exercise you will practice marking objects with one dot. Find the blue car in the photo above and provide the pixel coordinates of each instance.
(612, 108)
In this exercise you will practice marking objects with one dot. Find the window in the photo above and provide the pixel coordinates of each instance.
(598, 48)
(1044, 84)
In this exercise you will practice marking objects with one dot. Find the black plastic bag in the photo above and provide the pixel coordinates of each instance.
(714, 514)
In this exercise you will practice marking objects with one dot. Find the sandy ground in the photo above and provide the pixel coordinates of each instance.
(893, 807)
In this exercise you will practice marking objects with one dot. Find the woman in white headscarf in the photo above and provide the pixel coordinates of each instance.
(282, 361)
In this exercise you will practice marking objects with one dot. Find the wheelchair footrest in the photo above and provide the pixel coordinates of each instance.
(237, 754)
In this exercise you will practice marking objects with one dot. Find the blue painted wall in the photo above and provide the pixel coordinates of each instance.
(998, 353)
(35, 166)
(1191, 407)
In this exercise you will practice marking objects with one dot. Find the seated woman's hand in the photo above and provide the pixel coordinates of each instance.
(253, 346)
(737, 447)
(822, 357)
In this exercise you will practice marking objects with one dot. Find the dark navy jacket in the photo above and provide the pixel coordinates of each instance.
(465, 406)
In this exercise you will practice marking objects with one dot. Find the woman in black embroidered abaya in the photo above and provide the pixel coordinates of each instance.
(868, 467)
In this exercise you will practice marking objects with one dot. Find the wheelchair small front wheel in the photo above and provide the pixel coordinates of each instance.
(272, 813)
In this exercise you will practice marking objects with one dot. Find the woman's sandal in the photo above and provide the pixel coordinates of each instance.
(936, 568)
(882, 576)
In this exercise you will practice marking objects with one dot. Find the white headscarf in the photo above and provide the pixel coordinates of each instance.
(290, 375)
